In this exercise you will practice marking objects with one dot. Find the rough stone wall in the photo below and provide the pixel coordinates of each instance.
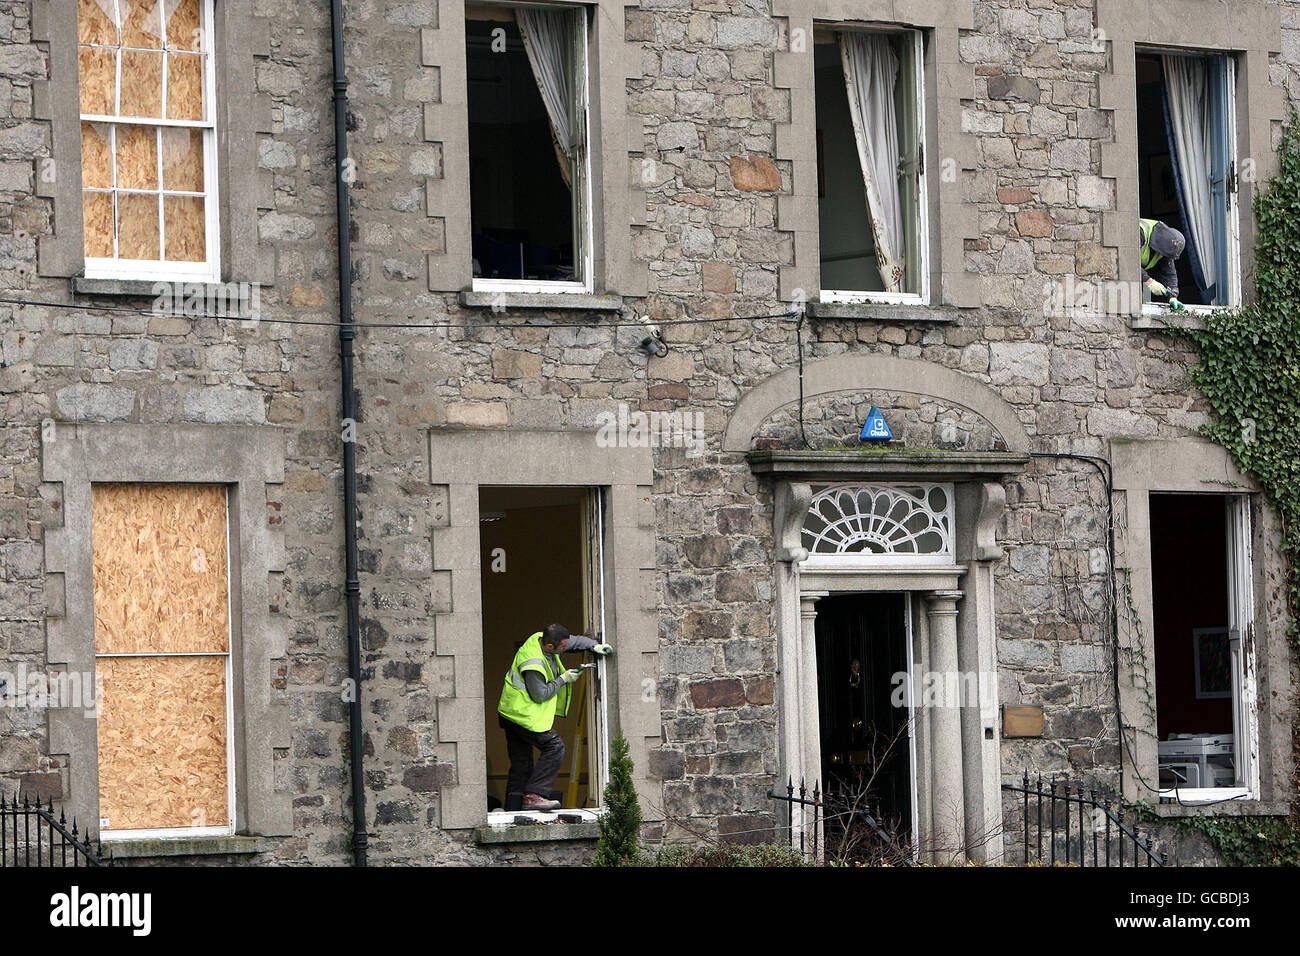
(79, 365)
(22, 509)
(916, 421)
(713, 249)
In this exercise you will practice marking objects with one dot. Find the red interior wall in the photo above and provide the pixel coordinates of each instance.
(1189, 577)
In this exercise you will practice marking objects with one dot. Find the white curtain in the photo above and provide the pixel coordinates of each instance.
(549, 42)
(870, 68)
(1187, 88)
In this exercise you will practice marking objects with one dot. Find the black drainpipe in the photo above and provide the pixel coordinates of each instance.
(348, 333)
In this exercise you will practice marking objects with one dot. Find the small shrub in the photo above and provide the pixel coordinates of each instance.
(622, 819)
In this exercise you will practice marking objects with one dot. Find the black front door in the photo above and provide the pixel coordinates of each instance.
(866, 753)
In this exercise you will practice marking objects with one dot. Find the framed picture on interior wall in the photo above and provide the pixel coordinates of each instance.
(1213, 661)
(1164, 188)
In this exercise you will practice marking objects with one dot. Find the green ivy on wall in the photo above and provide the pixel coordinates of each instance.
(1250, 374)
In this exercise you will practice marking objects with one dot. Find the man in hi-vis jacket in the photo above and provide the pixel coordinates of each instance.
(537, 690)
(1160, 249)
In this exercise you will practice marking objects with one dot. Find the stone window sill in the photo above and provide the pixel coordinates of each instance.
(144, 288)
(549, 301)
(883, 312)
(127, 288)
(556, 832)
(185, 846)
(1152, 322)
(1233, 808)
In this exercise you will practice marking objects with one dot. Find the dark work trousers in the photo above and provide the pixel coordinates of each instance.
(524, 776)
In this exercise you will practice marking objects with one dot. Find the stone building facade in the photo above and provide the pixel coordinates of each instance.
(1034, 422)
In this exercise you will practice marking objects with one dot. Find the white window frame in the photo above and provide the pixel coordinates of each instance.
(1233, 217)
(108, 835)
(98, 267)
(586, 230)
(851, 297)
(1245, 710)
(598, 769)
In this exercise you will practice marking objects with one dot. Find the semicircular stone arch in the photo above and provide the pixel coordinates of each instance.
(928, 406)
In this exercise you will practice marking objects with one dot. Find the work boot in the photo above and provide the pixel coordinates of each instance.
(533, 801)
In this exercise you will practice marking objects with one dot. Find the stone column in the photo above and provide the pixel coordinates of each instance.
(787, 523)
(947, 803)
(809, 705)
(810, 746)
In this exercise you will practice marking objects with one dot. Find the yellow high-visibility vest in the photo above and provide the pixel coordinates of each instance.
(1149, 257)
(515, 703)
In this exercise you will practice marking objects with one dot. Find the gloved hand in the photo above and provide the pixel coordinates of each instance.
(604, 650)
(1176, 306)
(571, 675)
(1156, 288)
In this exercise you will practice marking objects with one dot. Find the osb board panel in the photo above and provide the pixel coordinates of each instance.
(143, 26)
(97, 77)
(96, 158)
(142, 83)
(162, 742)
(137, 226)
(185, 86)
(182, 160)
(97, 210)
(183, 24)
(95, 22)
(137, 157)
(186, 228)
(160, 568)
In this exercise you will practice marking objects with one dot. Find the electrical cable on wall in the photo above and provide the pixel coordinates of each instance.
(1106, 470)
(620, 323)
(798, 334)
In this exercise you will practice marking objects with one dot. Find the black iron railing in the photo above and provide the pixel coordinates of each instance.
(1079, 825)
(31, 835)
(803, 825)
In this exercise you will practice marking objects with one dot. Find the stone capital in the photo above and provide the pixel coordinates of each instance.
(941, 603)
(808, 603)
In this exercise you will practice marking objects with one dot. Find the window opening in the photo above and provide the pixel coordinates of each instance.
(1200, 584)
(870, 165)
(162, 653)
(1187, 169)
(528, 131)
(541, 558)
(148, 139)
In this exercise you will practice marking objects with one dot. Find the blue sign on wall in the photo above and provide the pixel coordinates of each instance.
(875, 428)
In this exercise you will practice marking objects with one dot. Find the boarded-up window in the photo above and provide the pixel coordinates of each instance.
(147, 137)
(162, 649)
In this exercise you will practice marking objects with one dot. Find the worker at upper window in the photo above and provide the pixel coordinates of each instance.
(1161, 247)
(537, 690)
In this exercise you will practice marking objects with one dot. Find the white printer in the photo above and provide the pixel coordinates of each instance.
(1197, 760)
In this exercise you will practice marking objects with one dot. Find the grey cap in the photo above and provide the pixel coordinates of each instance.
(1167, 241)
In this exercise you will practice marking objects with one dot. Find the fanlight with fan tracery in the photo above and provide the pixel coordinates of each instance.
(880, 524)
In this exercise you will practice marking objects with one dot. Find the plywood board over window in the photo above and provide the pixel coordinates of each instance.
(148, 139)
(162, 649)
